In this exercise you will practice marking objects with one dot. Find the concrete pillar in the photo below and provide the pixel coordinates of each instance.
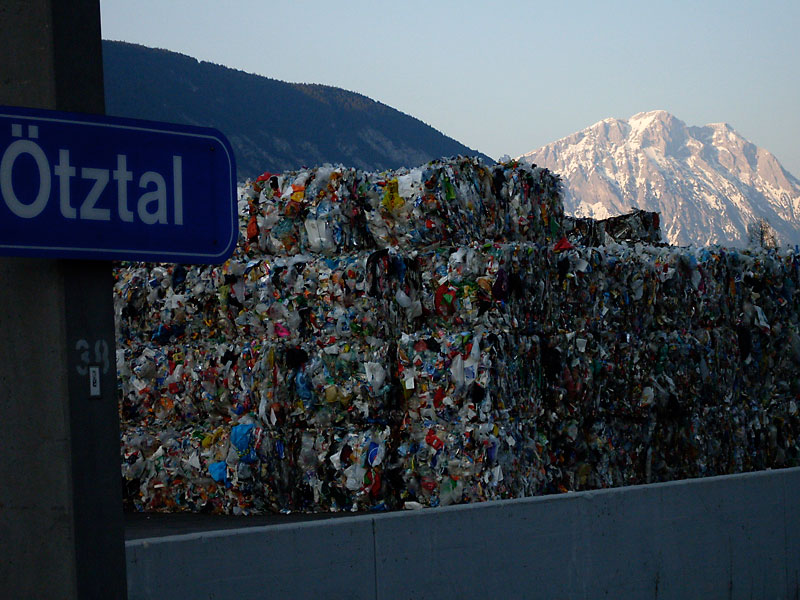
(61, 528)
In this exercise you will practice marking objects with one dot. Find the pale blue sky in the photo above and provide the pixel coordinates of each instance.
(509, 77)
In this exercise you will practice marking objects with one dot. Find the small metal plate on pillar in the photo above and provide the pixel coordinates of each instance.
(94, 381)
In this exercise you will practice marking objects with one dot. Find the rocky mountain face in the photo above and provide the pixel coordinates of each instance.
(272, 125)
(707, 182)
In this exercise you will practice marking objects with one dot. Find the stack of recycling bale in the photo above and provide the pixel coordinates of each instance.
(429, 337)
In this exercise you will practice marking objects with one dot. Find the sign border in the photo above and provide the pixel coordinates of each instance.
(142, 125)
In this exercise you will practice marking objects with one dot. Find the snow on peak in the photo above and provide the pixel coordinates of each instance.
(707, 182)
(651, 115)
(642, 121)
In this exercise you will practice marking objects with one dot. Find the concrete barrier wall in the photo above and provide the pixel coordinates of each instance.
(724, 537)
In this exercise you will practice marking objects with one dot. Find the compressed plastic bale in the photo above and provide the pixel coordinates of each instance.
(588, 366)
(334, 209)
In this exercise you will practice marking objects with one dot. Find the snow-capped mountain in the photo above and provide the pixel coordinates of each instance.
(708, 182)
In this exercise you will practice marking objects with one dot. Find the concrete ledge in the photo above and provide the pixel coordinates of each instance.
(281, 561)
(735, 536)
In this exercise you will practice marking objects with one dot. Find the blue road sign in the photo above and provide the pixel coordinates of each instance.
(108, 188)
